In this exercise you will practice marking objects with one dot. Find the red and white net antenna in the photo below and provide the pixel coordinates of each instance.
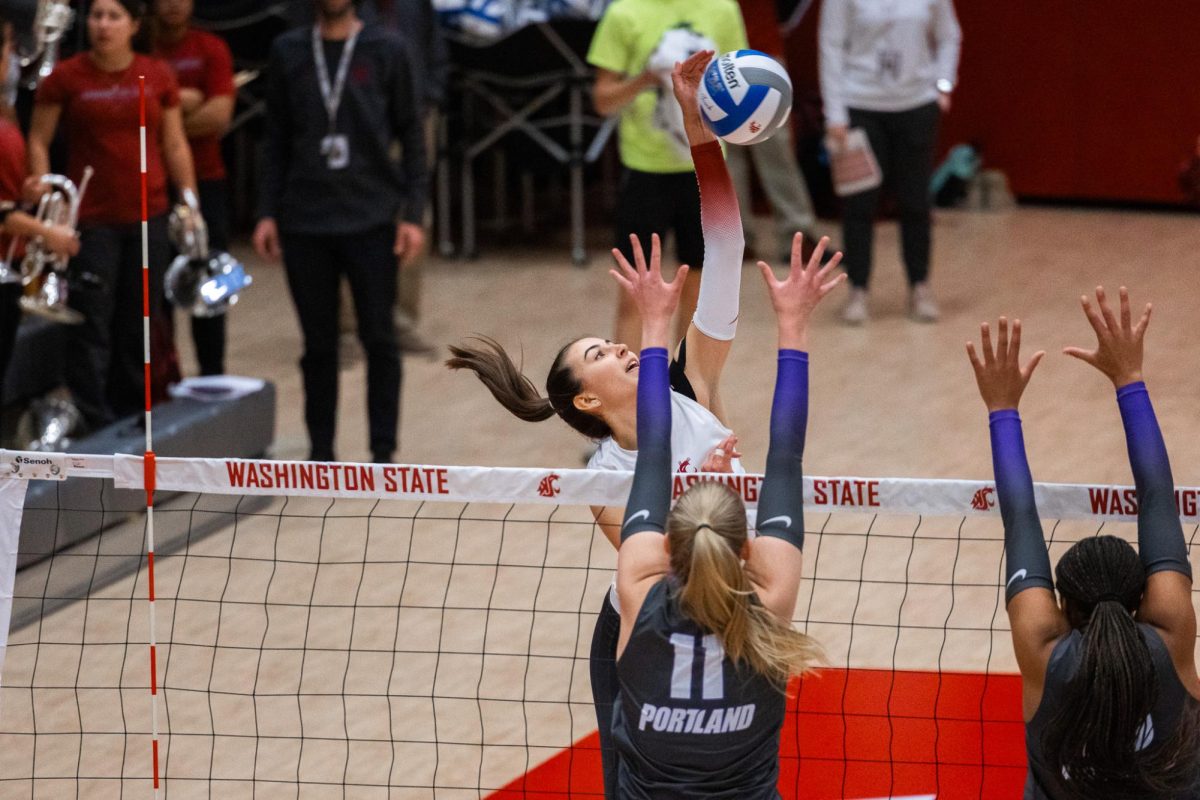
(148, 461)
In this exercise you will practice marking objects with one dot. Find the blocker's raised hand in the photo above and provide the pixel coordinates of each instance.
(1119, 342)
(805, 286)
(654, 297)
(999, 374)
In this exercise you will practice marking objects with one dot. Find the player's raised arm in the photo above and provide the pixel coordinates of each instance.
(1118, 354)
(714, 324)
(776, 557)
(641, 559)
(1036, 620)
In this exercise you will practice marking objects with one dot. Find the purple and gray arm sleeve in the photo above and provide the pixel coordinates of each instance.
(781, 504)
(650, 497)
(1160, 534)
(1027, 564)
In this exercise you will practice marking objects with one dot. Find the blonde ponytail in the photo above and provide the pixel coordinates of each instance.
(707, 530)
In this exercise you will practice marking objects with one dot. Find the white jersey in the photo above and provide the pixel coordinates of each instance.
(695, 431)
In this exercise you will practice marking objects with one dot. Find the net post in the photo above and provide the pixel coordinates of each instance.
(148, 464)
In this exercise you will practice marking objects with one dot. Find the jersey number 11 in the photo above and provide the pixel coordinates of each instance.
(687, 649)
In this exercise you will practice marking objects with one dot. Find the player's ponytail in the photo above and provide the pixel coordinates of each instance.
(1100, 739)
(504, 379)
(707, 530)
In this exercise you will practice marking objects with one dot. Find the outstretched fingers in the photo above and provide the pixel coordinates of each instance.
(814, 261)
(639, 257)
(656, 255)
(797, 260)
(998, 372)
(830, 285)
(624, 275)
(1126, 314)
(1014, 342)
(1093, 316)
(1110, 319)
(1086, 356)
(768, 275)
(1027, 370)
(1143, 323)
(985, 340)
(973, 357)
(833, 263)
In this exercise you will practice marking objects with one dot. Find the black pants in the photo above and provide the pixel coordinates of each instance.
(662, 203)
(104, 354)
(315, 264)
(208, 333)
(602, 663)
(903, 142)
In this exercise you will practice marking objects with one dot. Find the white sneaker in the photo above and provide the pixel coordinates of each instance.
(855, 311)
(921, 305)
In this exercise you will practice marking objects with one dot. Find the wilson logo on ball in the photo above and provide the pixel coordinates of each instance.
(745, 96)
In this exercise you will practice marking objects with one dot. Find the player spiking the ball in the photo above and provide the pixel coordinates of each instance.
(592, 385)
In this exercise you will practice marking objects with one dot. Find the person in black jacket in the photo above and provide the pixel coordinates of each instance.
(334, 202)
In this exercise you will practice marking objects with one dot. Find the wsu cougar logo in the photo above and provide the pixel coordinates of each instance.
(549, 486)
(984, 499)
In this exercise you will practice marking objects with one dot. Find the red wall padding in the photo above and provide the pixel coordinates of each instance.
(1095, 99)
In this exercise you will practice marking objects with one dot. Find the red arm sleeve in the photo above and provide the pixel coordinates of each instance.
(724, 245)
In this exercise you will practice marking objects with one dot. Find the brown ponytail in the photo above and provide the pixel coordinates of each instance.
(707, 530)
(504, 379)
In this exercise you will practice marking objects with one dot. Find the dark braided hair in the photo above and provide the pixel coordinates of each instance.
(493, 366)
(1093, 740)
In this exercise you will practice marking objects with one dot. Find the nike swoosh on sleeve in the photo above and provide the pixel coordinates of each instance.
(786, 520)
(1016, 576)
(644, 514)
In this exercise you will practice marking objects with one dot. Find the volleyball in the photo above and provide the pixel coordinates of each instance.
(745, 96)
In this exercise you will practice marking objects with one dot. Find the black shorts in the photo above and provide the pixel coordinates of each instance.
(662, 203)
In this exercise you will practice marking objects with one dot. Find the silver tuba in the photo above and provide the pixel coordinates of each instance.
(43, 271)
(51, 21)
(202, 281)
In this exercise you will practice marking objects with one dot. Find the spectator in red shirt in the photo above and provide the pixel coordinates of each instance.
(94, 95)
(204, 68)
(14, 222)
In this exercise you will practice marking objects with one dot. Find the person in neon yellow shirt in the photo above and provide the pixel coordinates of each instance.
(635, 46)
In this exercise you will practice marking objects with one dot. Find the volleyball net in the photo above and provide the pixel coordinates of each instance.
(351, 630)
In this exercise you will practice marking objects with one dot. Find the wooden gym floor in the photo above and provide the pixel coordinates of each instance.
(893, 398)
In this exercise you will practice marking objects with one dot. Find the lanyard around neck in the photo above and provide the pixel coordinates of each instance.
(332, 95)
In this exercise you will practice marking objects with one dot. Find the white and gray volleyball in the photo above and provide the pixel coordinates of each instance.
(745, 96)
